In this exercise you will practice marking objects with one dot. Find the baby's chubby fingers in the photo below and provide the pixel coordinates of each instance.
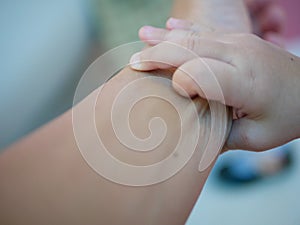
(152, 35)
(174, 23)
(179, 46)
(162, 56)
(176, 29)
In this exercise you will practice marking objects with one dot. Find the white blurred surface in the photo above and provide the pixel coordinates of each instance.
(43, 45)
(274, 200)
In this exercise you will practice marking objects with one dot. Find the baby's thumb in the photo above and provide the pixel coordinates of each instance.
(247, 134)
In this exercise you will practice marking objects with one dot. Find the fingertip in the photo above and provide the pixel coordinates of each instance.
(174, 23)
(144, 61)
(152, 35)
(184, 84)
(135, 62)
(169, 23)
(144, 32)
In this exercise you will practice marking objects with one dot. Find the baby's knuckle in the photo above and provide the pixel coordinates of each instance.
(171, 35)
(251, 41)
(190, 40)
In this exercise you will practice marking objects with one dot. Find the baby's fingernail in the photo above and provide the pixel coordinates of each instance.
(174, 23)
(135, 61)
(147, 31)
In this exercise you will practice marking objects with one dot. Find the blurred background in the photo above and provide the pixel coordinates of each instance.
(47, 45)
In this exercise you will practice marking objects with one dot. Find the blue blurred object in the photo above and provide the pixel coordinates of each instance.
(249, 167)
(44, 50)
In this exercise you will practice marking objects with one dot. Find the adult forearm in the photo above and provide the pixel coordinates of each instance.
(45, 180)
(227, 16)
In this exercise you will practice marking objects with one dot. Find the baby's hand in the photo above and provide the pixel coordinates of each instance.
(259, 80)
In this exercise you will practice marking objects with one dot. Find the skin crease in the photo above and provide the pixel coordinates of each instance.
(45, 180)
(245, 66)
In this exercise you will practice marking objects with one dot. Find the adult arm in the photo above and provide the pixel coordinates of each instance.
(45, 180)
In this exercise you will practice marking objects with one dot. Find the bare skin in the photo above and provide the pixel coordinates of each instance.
(45, 180)
(267, 21)
(207, 14)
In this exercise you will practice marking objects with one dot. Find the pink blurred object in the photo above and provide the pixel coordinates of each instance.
(292, 29)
